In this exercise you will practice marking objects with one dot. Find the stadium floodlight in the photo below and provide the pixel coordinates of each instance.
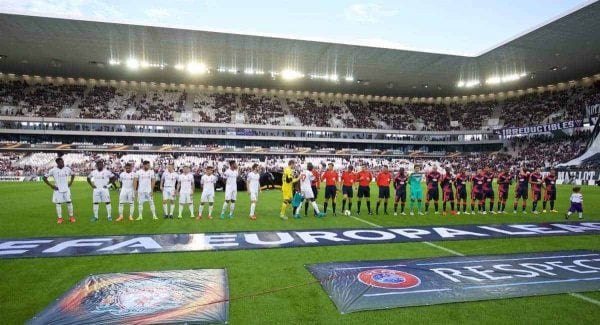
(349, 78)
(132, 63)
(144, 64)
(179, 66)
(493, 80)
(196, 68)
(334, 77)
(288, 74)
(252, 71)
(113, 62)
(221, 69)
(460, 84)
(232, 70)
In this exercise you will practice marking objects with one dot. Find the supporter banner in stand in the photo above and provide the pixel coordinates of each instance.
(166, 297)
(593, 110)
(162, 243)
(356, 286)
(542, 128)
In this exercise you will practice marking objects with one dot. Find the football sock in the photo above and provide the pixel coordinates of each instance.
(252, 207)
(58, 211)
(95, 208)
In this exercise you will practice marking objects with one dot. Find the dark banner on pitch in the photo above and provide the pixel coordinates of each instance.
(356, 286)
(165, 297)
(163, 243)
(542, 128)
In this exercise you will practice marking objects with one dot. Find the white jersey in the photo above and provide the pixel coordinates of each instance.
(231, 178)
(253, 182)
(126, 181)
(306, 178)
(576, 198)
(186, 182)
(145, 178)
(169, 179)
(101, 178)
(61, 177)
(208, 183)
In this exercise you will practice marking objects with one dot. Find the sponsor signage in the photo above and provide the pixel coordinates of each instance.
(166, 297)
(368, 285)
(542, 128)
(162, 243)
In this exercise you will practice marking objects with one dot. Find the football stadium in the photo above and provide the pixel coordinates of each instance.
(157, 171)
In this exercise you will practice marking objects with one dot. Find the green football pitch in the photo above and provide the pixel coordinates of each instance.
(272, 286)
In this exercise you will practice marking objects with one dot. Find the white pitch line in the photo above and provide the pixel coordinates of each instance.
(588, 299)
(447, 250)
(443, 248)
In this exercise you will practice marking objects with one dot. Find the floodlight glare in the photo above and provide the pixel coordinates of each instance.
(113, 62)
(132, 63)
(144, 64)
(196, 68)
(349, 78)
(179, 66)
(288, 74)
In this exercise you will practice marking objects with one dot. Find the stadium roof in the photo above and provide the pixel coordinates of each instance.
(564, 49)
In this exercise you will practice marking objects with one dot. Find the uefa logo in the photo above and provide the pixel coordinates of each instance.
(388, 279)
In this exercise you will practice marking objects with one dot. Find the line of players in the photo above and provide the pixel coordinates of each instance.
(140, 185)
(452, 187)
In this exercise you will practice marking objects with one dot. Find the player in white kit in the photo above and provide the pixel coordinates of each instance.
(126, 196)
(61, 188)
(99, 180)
(230, 175)
(144, 185)
(167, 186)
(185, 190)
(208, 182)
(306, 178)
(253, 187)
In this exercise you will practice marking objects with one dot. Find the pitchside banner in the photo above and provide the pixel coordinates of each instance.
(131, 244)
(542, 128)
(356, 286)
(166, 297)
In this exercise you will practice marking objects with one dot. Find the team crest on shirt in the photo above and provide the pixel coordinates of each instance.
(388, 279)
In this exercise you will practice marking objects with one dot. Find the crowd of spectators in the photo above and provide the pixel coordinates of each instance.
(261, 110)
(103, 102)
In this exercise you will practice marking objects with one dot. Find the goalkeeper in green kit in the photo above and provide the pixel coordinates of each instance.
(416, 193)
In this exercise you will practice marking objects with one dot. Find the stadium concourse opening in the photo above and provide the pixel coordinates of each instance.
(378, 177)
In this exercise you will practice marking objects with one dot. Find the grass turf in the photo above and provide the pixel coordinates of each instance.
(28, 285)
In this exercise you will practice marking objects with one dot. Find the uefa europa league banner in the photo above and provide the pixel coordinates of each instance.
(356, 286)
(166, 297)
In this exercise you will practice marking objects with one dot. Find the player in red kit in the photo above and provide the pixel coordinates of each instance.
(331, 178)
(364, 179)
(447, 192)
(433, 183)
(348, 180)
(488, 188)
(477, 191)
(384, 178)
(504, 181)
(550, 191)
(460, 183)
(521, 189)
(536, 188)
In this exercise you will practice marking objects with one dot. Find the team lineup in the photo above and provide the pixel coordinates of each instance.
(303, 186)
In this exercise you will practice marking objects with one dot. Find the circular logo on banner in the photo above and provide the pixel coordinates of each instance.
(388, 279)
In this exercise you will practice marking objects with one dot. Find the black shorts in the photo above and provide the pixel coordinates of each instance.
(521, 194)
(364, 191)
(384, 192)
(537, 195)
(503, 194)
(489, 194)
(477, 195)
(401, 196)
(550, 196)
(330, 191)
(315, 191)
(433, 194)
(448, 196)
(347, 191)
(461, 194)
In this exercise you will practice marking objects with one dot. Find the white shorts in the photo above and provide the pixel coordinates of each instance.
(126, 196)
(168, 193)
(101, 195)
(145, 197)
(253, 195)
(61, 197)
(230, 194)
(207, 197)
(307, 193)
(185, 198)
